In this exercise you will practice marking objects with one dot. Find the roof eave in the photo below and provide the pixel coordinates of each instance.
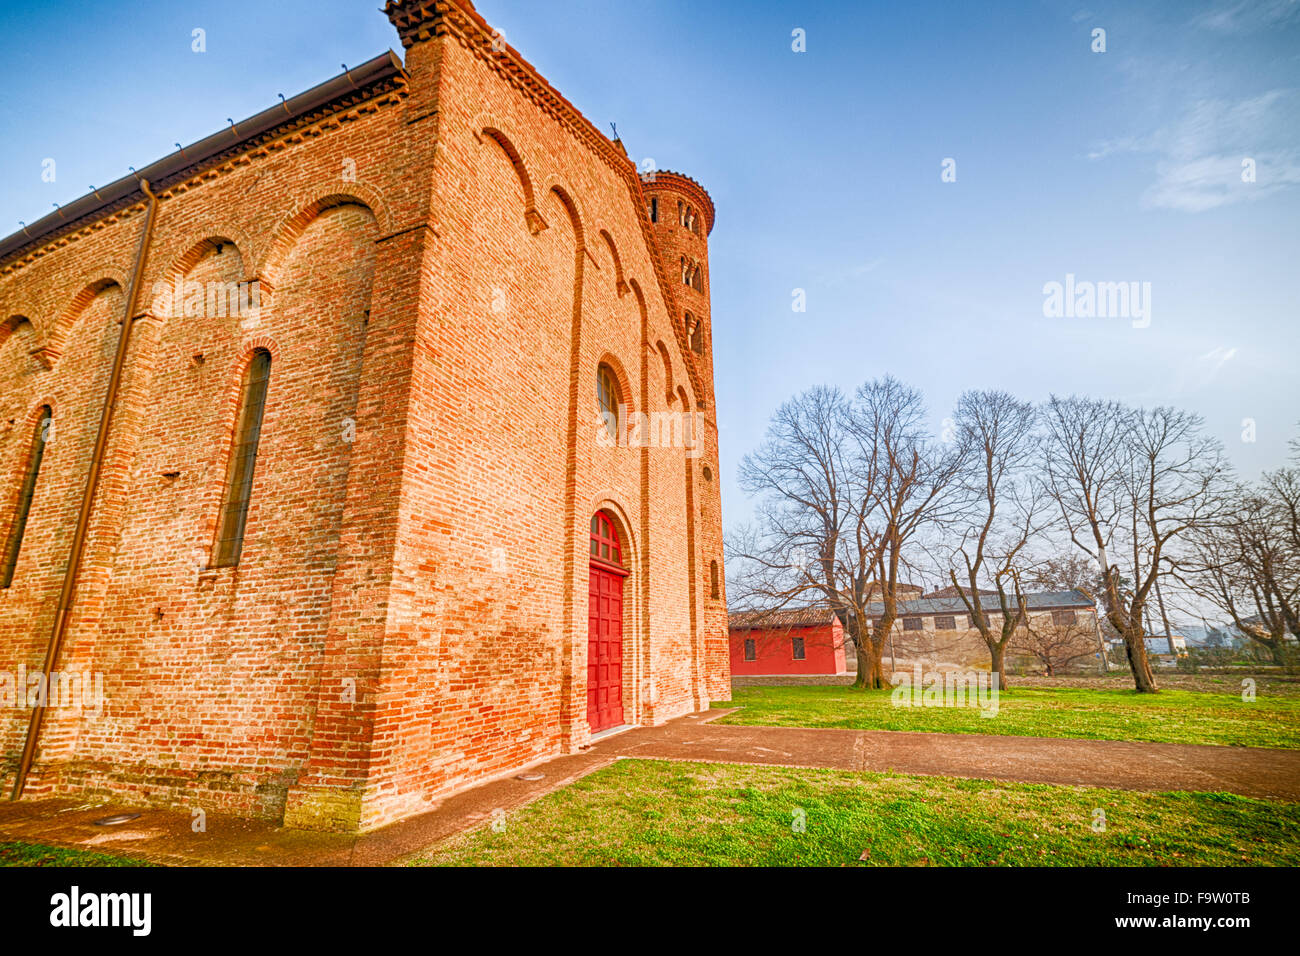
(176, 166)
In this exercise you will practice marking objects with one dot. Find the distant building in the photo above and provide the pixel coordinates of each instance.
(952, 592)
(787, 642)
(937, 631)
(934, 631)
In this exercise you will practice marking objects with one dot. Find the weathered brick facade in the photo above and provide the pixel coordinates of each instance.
(445, 252)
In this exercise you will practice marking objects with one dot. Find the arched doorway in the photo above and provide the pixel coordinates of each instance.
(605, 626)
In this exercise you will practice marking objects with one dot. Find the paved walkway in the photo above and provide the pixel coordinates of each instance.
(166, 836)
(1251, 771)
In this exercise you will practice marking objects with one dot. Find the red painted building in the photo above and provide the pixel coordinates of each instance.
(787, 642)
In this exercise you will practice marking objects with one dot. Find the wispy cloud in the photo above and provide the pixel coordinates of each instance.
(1201, 157)
(1208, 365)
(1189, 374)
(1247, 16)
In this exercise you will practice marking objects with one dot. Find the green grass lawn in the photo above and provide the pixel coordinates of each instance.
(1171, 716)
(651, 813)
(14, 853)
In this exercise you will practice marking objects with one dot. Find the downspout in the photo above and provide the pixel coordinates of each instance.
(92, 485)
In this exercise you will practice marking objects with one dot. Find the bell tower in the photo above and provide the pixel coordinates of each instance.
(682, 214)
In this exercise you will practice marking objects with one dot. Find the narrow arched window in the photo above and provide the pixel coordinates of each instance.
(14, 543)
(608, 397)
(714, 587)
(697, 337)
(243, 460)
(654, 208)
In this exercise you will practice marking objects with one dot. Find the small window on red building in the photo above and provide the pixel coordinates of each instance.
(750, 652)
(797, 645)
(715, 590)
(654, 208)
(913, 624)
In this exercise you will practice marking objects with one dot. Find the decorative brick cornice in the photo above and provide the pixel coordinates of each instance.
(680, 182)
(379, 83)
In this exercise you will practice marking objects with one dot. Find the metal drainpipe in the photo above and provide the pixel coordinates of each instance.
(92, 485)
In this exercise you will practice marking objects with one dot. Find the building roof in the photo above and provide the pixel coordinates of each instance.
(781, 617)
(381, 73)
(1037, 602)
(951, 592)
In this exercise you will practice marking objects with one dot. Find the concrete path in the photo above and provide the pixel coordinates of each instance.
(167, 836)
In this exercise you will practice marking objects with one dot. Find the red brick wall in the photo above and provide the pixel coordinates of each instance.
(409, 612)
(774, 654)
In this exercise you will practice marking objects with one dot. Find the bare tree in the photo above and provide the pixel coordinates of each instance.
(1130, 485)
(844, 486)
(1281, 491)
(1068, 571)
(1247, 565)
(1075, 571)
(1005, 511)
(1055, 645)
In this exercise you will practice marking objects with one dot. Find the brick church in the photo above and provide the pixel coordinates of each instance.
(364, 450)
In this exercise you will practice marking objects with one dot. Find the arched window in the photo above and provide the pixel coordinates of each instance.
(714, 588)
(697, 279)
(243, 461)
(608, 397)
(697, 334)
(44, 422)
(604, 540)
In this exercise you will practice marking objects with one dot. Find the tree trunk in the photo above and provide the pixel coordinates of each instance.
(871, 670)
(1143, 677)
(999, 665)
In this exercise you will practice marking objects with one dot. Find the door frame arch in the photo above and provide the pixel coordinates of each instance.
(633, 666)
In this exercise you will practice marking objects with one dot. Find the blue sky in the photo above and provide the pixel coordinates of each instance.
(825, 168)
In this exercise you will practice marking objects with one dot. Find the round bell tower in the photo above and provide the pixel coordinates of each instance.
(682, 214)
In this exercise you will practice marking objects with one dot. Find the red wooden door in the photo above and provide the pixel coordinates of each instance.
(605, 628)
